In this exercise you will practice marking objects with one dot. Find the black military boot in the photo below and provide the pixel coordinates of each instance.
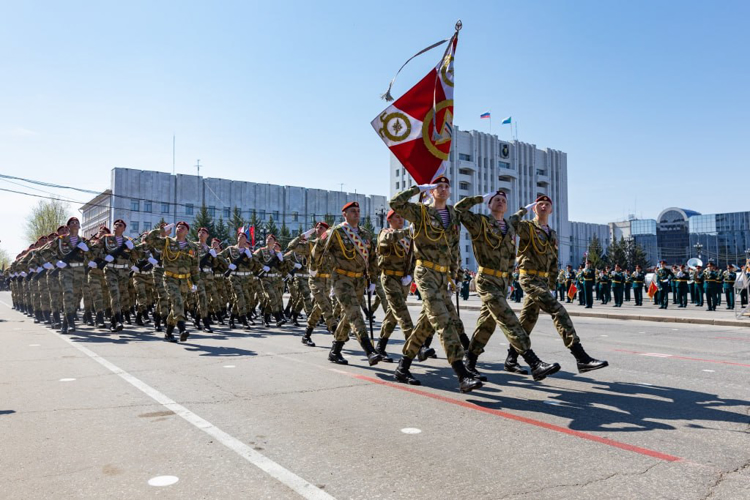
(466, 383)
(220, 318)
(430, 351)
(197, 320)
(118, 325)
(464, 339)
(470, 362)
(539, 369)
(126, 315)
(207, 325)
(113, 324)
(55, 320)
(425, 352)
(87, 318)
(232, 324)
(100, 320)
(139, 319)
(373, 358)
(71, 322)
(267, 320)
(335, 355)
(157, 322)
(168, 336)
(183, 331)
(37, 316)
(245, 324)
(585, 362)
(64, 327)
(307, 338)
(402, 373)
(511, 363)
(294, 319)
(380, 349)
(280, 320)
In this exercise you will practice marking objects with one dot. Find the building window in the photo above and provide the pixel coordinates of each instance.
(275, 215)
(262, 214)
(463, 185)
(503, 164)
(212, 211)
(165, 208)
(464, 157)
(147, 206)
(189, 209)
(396, 184)
(135, 205)
(226, 213)
(464, 171)
(134, 227)
(295, 216)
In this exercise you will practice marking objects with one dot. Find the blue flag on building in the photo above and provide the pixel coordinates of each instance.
(506, 121)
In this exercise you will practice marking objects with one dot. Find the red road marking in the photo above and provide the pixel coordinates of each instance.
(672, 356)
(518, 418)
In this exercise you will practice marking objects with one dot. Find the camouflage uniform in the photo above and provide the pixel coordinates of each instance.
(352, 266)
(270, 281)
(73, 274)
(320, 286)
(395, 262)
(180, 261)
(246, 266)
(495, 253)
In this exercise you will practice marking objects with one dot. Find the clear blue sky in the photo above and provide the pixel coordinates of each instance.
(648, 98)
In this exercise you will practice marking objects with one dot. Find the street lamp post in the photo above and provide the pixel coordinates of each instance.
(698, 248)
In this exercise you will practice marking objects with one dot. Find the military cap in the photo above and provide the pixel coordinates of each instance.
(104, 228)
(71, 220)
(440, 179)
(390, 214)
(349, 205)
(499, 193)
(121, 222)
(323, 224)
(183, 223)
(205, 230)
(544, 197)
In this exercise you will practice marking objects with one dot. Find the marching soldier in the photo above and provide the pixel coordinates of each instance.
(494, 242)
(298, 254)
(241, 268)
(180, 261)
(605, 285)
(628, 284)
(206, 287)
(352, 253)
(272, 260)
(70, 250)
(116, 249)
(537, 257)
(320, 285)
(728, 278)
(436, 248)
(589, 278)
(699, 281)
(396, 266)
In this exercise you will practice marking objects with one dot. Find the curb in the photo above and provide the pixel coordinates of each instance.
(630, 317)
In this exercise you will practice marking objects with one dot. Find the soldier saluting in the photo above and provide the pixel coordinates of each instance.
(116, 249)
(180, 261)
(71, 250)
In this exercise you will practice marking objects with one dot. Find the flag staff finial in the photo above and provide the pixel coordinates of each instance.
(459, 25)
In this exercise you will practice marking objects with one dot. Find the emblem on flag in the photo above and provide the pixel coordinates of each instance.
(418, 127)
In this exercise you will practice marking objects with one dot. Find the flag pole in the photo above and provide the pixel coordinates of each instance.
(490, 122)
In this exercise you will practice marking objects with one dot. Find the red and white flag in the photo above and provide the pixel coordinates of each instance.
(418, 127)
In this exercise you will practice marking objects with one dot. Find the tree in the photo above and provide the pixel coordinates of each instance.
(4, 259)
(330, 219)
(235, 223)
(368, 225)
(158, 224)
(271, 227)
(222, 232)
(595, 253)
(617, 254)
(45, 218)
(285, 235)
(202, 219)
(636, 255)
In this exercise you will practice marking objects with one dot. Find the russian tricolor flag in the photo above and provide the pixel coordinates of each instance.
(485, 115)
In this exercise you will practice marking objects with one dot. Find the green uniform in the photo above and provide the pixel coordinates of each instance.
(395, 264)
(637, 277)
(729, 277)
(618, 286)
(117, 270)
(681, 279)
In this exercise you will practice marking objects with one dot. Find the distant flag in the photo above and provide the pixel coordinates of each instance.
(418, 127)
(252, 235)
(572, 291)
(506, 121)
(485, 115)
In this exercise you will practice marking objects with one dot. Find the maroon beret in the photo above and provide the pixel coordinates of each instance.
(350, 205)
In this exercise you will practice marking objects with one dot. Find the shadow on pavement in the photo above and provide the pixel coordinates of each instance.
(7, 412)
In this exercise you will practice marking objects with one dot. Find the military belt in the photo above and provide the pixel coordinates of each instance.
(350, 274)
(588, 279)
(207, 270)
(75, 264)
(388, 272)
(270, 275)
(681, 281)
(241, 273)
(711, 281)
(618, 282)
(727, 281)
(170, 274)
(639, 282)
(533, 272)
(298, 275)
(433, 266)
(119, 266)
(493, 272)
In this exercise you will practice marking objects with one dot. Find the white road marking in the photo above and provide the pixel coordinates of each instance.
(229, 366)
(604, 335)
(163, 480)
(34, 345)
(709, 371)
(656, 355)
(411, 430)
(276, 471)
(67, 379)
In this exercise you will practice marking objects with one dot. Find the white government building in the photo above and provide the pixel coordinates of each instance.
(480, 163)
(143, 197)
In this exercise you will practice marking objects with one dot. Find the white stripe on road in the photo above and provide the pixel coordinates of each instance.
(276, 471)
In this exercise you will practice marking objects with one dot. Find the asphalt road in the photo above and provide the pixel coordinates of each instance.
(259, 415)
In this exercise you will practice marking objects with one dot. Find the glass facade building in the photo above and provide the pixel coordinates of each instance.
(723, 238)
